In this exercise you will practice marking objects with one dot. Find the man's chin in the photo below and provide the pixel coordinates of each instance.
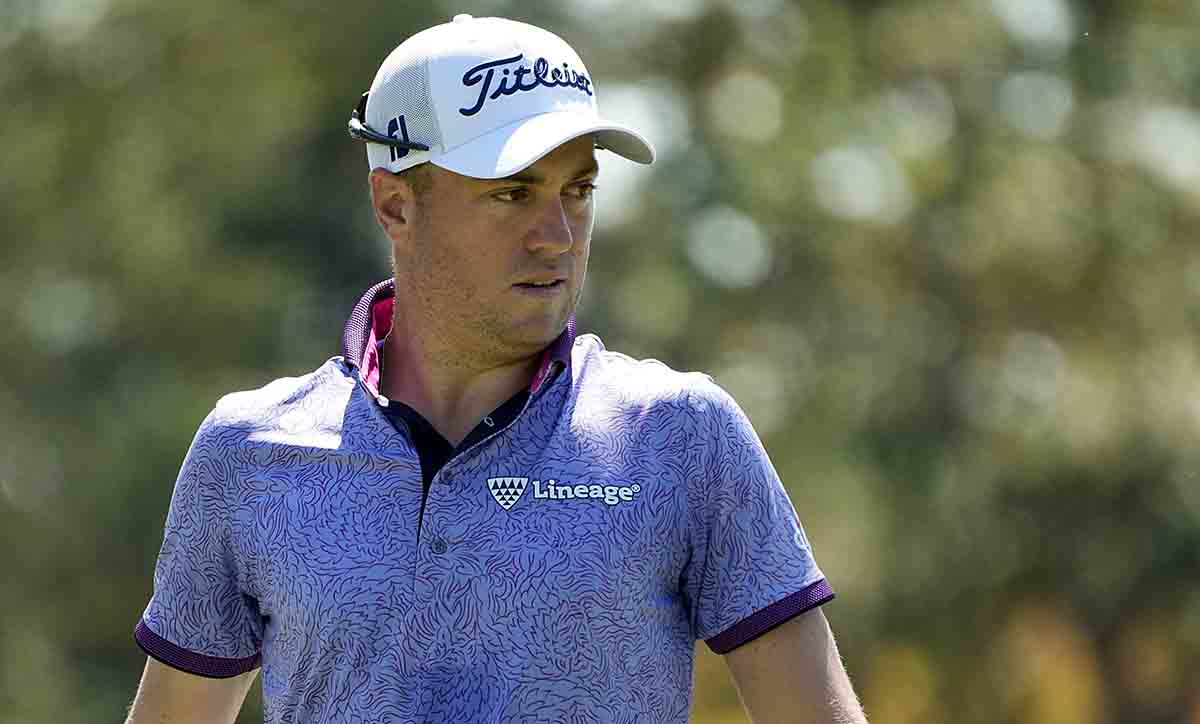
(535, 335)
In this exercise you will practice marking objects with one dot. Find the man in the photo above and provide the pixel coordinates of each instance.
(474, 515)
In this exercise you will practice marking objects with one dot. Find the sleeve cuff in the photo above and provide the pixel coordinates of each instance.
(763, 620)
(176, 657)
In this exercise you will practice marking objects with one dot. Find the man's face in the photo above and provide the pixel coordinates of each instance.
(494, 268)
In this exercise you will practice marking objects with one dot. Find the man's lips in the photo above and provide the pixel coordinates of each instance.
(545, 288)
(541, 281)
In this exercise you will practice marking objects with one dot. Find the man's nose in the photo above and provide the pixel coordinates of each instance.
(551, 233)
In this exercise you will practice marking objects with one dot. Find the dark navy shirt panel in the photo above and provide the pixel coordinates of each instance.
(434, 449)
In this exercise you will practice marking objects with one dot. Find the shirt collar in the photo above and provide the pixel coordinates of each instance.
(371, 321)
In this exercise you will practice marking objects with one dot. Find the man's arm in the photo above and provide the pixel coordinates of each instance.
(793, 673)
(171, 696)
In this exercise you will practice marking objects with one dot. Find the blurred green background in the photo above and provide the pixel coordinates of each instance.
(943, 252)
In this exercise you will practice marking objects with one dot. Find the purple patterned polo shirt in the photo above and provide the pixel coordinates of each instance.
(562, 570)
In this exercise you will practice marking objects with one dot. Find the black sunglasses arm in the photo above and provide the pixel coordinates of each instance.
(360, 130)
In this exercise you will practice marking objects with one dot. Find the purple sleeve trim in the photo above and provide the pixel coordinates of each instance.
(763, 620)
(176, 657)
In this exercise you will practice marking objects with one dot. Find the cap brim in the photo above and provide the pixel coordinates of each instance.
(512, 148)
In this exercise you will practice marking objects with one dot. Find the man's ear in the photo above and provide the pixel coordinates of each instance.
(394, 201)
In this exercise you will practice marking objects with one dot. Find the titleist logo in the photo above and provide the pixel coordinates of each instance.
(521, 78)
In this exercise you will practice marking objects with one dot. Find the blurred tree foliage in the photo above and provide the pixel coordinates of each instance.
(944, 253)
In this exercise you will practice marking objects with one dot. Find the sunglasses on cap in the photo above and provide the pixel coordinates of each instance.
(358, 129)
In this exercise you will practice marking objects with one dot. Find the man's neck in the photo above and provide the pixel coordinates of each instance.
(450, 393)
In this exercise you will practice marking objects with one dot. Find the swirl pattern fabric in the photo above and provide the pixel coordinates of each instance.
(647, 516)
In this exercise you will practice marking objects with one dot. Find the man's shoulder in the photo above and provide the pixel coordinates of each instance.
(600, 371)
(299, 409)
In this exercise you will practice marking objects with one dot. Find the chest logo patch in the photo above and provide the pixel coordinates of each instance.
(508, 490)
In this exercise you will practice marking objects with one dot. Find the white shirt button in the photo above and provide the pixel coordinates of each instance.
(462, 18)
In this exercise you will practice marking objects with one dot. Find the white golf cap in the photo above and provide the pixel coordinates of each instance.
(486, 97)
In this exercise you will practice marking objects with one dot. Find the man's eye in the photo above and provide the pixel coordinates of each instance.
(584, 191)
(512, 195)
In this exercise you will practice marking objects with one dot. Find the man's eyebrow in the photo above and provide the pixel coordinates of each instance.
(533, 178)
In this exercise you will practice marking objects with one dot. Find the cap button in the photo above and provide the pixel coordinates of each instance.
(462, 18)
